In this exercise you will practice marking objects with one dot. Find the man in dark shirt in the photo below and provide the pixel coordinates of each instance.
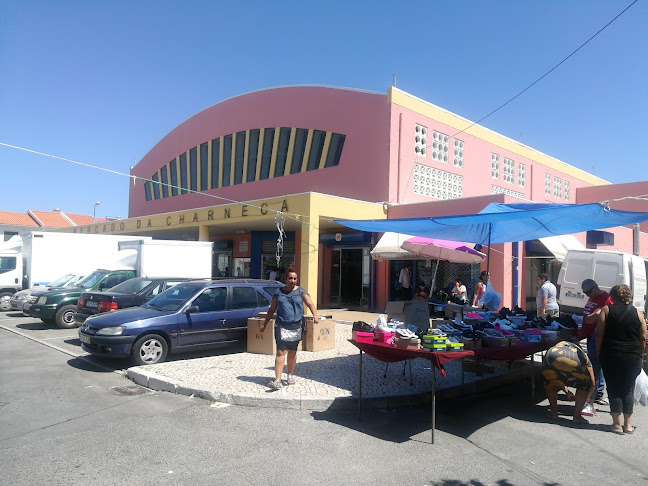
(597, 299)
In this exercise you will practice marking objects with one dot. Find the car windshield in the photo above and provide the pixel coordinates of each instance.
(91, 279)
(174, 298)
(132, 286)
(74, 281)
(61, 280)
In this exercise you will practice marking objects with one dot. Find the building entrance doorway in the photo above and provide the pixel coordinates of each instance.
(349, 277)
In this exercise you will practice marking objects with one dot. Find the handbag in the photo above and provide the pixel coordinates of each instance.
(641, 389)
(291, 334)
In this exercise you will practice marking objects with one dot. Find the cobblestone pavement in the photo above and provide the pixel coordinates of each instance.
(324, 379)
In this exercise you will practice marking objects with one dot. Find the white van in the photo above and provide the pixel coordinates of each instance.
(607, 269)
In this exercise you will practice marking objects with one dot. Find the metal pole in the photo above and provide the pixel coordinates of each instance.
(433, 401)
(360, 385)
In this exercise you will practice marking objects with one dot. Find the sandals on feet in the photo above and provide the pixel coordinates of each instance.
(552, 415)
(291, 379)
(614, 430)
(629, 431)
(276, 384)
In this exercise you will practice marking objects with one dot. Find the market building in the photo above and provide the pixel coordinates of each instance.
(298, 158)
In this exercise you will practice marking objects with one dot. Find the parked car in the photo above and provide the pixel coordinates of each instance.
(190, 316)
(130, 293)
(18, 299)
(59, 305)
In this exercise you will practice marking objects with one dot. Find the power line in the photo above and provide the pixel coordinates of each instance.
(547, 73)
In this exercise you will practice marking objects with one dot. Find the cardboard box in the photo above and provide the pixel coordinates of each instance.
(363, 337)
(495, 342)
(320, 336)
(471, 344)
(262, 343)
(548, 335)
(395, 309)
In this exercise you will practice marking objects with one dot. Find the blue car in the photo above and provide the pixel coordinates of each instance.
(190, 316)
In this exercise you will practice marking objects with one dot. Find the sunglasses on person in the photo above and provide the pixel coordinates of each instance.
(588, 290)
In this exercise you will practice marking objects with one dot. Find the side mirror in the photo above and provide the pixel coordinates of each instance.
(101, 286)
(192, 309)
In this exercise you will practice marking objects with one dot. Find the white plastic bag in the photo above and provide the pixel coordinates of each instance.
(381, 324)
(492, 299)
(641, 389)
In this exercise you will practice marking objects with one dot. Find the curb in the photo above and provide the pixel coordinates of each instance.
(158, 382)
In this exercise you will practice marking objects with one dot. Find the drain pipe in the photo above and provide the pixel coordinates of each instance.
(635, 239)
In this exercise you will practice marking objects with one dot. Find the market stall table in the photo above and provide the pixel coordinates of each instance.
(521, 350)
(390, 354)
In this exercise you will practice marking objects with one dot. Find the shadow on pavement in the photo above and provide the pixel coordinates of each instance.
(460, 417)
(37, 326)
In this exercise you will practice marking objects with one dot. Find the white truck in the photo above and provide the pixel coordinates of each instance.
(36, 258)
(136, 258)
(607, 269)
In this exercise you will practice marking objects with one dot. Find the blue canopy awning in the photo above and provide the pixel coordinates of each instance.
(507, 222)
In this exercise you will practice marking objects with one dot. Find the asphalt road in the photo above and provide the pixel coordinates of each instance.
(62, 421)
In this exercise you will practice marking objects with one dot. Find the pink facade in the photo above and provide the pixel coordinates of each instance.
(360, 115)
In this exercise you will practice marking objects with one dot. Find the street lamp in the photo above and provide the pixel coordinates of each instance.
(94, 211)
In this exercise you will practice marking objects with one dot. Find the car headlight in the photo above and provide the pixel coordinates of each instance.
(42, 300)
(111, 331)
(32, 298)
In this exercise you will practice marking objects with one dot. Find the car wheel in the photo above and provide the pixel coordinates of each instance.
(149, 349)
(5, 303)
(65, 317)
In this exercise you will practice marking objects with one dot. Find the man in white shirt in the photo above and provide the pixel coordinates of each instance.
(405, 282)
(459, 293)
(546, 299)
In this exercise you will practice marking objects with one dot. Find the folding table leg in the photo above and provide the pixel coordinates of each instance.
(433, 401)
(386, 368)
(409, 361)
(360, 385)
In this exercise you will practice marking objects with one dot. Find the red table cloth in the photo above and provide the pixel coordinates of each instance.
(387, 353)
(521, 350)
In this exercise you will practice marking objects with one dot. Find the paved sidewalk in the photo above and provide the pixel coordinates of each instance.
(324, 380)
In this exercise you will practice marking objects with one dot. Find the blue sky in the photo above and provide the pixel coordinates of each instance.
(102, 82)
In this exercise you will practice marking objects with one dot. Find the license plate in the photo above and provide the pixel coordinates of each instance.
(92, 303)
(84, 339)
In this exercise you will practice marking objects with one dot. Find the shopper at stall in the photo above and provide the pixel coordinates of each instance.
(405, 282)
(288, 302)
(566, 365)
(421, 292)
(597, 300)
(546, 299)
(620, 344)
(459, 294)
(480, 289)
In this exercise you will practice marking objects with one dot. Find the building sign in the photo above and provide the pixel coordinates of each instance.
(198, 216)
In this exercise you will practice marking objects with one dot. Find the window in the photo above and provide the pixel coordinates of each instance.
(458, 153)
(440, 147)
(316, 149)
(7, 264)
(204, 166)
(147, 190)
(548, 184)
(557, 187)
(132, 286)
(301, 136)
(253, 149)
(211, 300)
(282, 151)
(567, 190)
(193, 169)
(156, 187)
(432, 182)
(495, 166)
(227, 160)
(173, 172)
(183, 173)
(244, 298)
(420, 140)
(521, 174)
(266, 155)
(335, 150)
(509, 171)
(215, 162)
(164, 172)
(239, 158)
